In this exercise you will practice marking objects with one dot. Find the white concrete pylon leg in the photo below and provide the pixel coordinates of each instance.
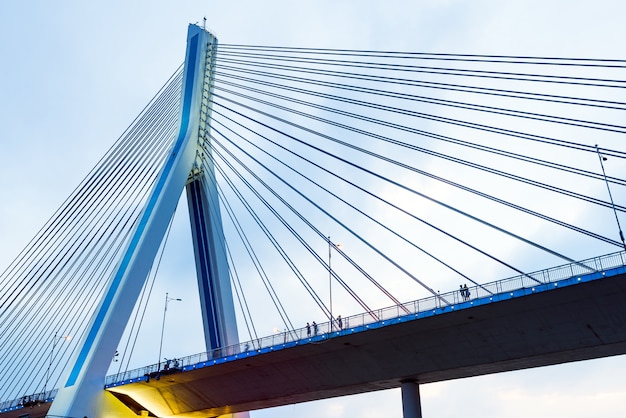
(81, 392)
(411, 404)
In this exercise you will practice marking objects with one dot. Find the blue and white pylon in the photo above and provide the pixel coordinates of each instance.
(82, 393)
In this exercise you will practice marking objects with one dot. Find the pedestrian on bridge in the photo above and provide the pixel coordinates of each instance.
(308, 329)
(467, 292)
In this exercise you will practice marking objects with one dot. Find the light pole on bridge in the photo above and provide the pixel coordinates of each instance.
(167, 299)
(330, 279)
(55, 340)
(602, 159)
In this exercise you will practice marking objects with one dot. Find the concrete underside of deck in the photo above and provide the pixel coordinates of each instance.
(573, 323)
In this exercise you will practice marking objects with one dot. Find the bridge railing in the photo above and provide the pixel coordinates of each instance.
(29, 400)
(325, 330)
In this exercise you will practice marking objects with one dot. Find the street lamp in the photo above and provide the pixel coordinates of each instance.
(603, 158)
(330, 280)
(167, 299)
(55, 340)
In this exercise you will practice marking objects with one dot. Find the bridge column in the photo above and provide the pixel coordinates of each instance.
(216, 299)
(411, 404)
(82, 391)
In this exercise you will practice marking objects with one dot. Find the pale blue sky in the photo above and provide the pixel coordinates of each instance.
(75, 74)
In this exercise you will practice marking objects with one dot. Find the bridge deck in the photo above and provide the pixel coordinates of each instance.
(576, 322)
(565, 321)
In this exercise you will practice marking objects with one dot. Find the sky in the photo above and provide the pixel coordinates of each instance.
(75, 74)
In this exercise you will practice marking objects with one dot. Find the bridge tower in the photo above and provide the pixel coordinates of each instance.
(82, 394)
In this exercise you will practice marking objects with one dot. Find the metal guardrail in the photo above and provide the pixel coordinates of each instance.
(323, 330)
(522, 281)
(29, 400)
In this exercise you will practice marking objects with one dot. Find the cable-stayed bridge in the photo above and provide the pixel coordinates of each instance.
(375, 150)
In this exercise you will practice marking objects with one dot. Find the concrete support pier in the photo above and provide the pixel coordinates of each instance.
(411, 405)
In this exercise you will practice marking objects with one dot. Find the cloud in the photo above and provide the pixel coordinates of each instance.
(76, 75)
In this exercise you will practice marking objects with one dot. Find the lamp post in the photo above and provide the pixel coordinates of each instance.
(167, 299)
(55, 340)
(330, 286)
(603, 158)
(330, 281)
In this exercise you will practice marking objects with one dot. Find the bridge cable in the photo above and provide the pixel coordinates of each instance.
(482, 221)
(251, 253)
(465, 124)
(407, 189)
(282, 220)
(145, 296)
(241, 297)
(368, 276)
(90, 227)
(358, 236)
(506, 59)
(442, 102)
(342, 253)
(481, 74)
(437, 136)
(516, 94)
(72, 251)
(266, 230)
(462, 187)
(413, 147)
(58, 236)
